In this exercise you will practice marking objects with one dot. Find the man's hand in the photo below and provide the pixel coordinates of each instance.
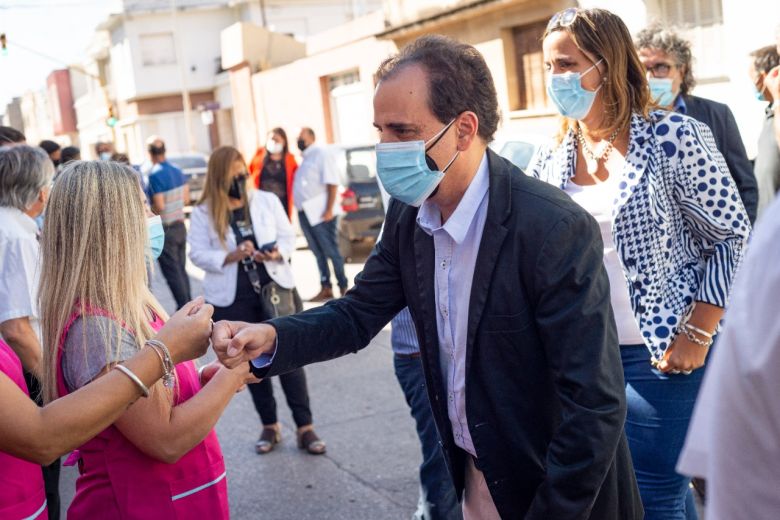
(328, 215)
(237, 342)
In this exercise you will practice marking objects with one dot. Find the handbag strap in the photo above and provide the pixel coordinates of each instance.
(248, 264)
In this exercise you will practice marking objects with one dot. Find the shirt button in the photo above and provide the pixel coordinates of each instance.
(443, 264)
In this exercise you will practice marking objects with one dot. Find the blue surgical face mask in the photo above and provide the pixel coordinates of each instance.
(105, 156)
(661, 90)
(406, 172)
(759, 93)
(156, 236)
(570, 98)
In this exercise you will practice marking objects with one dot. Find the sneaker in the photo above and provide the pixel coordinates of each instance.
(325, 294)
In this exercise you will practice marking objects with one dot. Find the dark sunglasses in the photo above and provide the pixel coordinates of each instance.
(562, 18)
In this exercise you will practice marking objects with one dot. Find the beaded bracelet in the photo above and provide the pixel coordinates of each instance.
(134, 378)
(169, 374)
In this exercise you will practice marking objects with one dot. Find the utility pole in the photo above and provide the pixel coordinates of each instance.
(262, 14)
(185, 93)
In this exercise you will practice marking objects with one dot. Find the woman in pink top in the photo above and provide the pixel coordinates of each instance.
(161, 458)
(31, 436)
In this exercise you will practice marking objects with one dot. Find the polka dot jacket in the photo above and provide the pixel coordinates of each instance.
(679, 225)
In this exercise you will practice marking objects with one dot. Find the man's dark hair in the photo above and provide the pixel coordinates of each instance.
(10, 135)
(70, 153)
(49, 146)
(458, 80)
(765, 58)
(307, 130)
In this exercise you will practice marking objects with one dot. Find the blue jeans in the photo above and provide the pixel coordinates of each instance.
(659, 410)
(438, 500)
(323, 242)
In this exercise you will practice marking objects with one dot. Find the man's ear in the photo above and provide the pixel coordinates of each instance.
(467, 127)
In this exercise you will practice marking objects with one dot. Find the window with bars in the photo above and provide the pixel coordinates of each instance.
(529, 65)
(691, 12)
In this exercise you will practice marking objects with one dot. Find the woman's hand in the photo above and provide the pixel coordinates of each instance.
(188, 332)
(244, 250)
(683, 355)
(270, 256)
(206, 372)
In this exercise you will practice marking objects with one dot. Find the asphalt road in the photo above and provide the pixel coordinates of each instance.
(370, 469)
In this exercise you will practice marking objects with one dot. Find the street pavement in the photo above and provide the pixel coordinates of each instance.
(370, 469)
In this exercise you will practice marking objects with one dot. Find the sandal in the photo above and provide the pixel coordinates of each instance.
(269, 438)
(309, 441)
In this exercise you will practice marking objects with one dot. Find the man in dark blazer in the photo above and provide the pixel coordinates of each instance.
(519, 348)
(668, 60)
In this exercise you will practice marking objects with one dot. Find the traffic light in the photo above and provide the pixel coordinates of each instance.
(111, 120)
(3, 45)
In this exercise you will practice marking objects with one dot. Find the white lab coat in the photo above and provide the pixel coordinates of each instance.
(269, 222)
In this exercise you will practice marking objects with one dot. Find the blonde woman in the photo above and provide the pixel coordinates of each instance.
(161, 458)
(244, 242)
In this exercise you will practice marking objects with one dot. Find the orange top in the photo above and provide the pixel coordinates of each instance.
(290, 166)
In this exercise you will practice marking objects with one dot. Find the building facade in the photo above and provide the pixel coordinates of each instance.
(330, 88)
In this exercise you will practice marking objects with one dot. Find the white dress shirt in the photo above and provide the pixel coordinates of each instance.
(269, 222)
(734, 437)
(19, 270)
(317, 170)
(456, 244)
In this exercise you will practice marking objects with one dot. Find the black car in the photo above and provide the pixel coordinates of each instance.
(360, 198)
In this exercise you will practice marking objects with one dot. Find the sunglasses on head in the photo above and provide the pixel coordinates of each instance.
(562, 18)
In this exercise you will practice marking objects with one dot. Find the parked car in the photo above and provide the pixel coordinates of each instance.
(359, 197)
(194, 167)
(518, 148)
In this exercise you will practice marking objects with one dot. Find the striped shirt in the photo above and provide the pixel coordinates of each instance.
(403, 337)
(168, 180)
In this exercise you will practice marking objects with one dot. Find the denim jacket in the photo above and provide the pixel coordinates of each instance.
(679, 225)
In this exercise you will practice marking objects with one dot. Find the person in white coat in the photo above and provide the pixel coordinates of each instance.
(243, 241)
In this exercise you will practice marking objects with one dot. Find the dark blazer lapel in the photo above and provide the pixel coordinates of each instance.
(499, 208)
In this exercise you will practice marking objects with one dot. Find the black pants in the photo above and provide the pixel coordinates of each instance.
(247, 307)
(172, 261)
(51, 473)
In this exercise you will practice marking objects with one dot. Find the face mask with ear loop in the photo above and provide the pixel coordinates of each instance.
(407, 172)
(155, 236)
(569, 96)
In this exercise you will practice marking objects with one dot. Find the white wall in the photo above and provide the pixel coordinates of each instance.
(198, 47)
(132, 135)
(302, 18)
